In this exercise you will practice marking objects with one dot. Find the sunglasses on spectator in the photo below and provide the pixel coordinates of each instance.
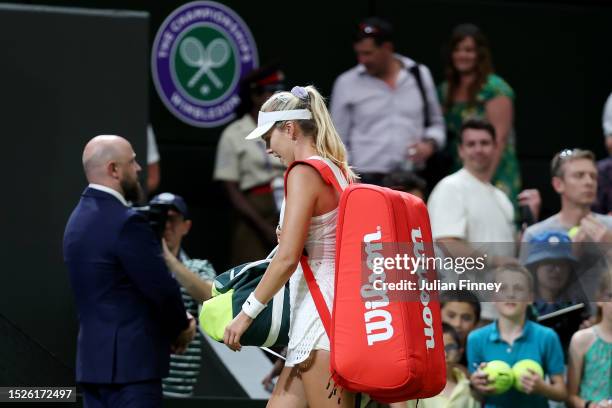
(369, 29)
(565, 153)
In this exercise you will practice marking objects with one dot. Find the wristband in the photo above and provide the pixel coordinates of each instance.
(587, 404)
(252, 307)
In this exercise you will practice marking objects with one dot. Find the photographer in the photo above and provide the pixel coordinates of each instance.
(195, 277)
(129, 307)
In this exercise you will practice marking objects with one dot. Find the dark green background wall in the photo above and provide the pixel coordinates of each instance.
(552, 53)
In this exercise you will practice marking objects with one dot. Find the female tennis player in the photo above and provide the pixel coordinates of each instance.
(296, 125)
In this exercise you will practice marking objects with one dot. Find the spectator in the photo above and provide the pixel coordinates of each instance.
(513, 338)
(473, 90)
(590, 363)
(604, 167)
(461, 310)
(551, 262)
(249, 175)
(386, 109)
(456, 393)
(574, 178)
(195, 277)
(480, 212)
(480, 217)
(130, 309)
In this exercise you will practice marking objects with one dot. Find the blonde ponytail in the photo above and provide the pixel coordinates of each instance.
(327, 141)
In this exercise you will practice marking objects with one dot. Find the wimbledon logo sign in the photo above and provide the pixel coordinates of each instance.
(200, 53)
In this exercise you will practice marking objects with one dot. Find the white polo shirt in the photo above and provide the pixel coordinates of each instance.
(462, 206)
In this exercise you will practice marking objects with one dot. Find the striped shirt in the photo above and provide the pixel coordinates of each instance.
(185, 368)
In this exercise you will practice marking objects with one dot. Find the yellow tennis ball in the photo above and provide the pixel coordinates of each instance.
(500, 375)
(572, 232)
(521, 368)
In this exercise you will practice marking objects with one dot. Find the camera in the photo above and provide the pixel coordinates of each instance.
(156, 215)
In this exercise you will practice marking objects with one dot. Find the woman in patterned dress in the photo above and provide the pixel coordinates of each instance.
(473, 90)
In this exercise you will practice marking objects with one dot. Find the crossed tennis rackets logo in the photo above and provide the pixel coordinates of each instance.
(206, 58)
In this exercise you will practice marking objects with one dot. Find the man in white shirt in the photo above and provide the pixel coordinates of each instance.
(469, 215)
(465, 206)
(386, 108)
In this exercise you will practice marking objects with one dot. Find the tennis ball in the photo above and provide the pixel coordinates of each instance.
(500, 375)
(521, 368)
(572, 232)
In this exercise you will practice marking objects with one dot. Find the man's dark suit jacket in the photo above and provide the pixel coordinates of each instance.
(129, 307)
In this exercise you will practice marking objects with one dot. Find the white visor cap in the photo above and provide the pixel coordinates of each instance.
(266, 120)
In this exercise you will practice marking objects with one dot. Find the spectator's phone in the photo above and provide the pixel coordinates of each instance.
(527, 217)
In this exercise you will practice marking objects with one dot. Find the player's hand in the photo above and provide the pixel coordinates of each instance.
(235, 330)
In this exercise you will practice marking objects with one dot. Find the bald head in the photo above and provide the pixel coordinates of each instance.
(101, 150)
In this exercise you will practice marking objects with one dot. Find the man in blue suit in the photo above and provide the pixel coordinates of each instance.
(129, 307)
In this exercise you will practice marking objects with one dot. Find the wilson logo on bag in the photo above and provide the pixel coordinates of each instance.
(390, 349)
(378, 321)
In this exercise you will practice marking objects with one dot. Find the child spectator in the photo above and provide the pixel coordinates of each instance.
(511, 338)
(461, 310)
(456, 393)
(552, 264)
(590, 362)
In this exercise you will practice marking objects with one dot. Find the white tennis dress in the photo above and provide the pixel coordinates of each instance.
(306, 331)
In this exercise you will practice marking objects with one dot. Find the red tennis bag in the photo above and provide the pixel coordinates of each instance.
(390, 349)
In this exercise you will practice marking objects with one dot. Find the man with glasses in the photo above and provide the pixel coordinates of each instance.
(386, 109)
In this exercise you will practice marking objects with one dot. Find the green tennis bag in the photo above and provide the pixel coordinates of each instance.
(229, 292)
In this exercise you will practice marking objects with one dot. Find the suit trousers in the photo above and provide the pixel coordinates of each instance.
(146, 394)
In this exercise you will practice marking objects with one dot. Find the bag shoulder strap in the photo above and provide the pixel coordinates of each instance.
(317, 296)
(415, 70)
(331, 174)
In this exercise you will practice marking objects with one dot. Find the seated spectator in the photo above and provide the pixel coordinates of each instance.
(467, 212)
(406, 181)
(574, 178)
(195, 277)
(590, 363)
(461, 310)
(456, 393)
(473, 90)
(513, 338)
(552, 264)
(603, 205)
